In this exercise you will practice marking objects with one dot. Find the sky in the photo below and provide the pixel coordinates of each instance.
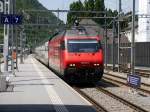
(64, 4)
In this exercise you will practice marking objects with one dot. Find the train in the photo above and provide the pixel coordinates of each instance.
(75, 54)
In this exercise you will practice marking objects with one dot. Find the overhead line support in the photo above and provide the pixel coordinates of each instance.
(133, 41)
(120, 10)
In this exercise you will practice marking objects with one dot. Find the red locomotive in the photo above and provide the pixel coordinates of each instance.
(77, 55)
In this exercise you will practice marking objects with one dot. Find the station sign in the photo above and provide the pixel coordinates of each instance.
(134, 80)
(12, 19)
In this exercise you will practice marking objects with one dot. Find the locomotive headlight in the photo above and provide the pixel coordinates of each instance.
(95, 64)
(72, 65)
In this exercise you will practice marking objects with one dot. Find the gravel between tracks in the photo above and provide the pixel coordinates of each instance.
(124, 75)
(112, 105)
(124, 92)
(125, 81)
(140, 100)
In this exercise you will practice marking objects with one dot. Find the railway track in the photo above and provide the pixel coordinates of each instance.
(106, 101)
(142, 73)
(144, 84)
(121, 80)
(96, 105)
(122, 100)
(110, 103)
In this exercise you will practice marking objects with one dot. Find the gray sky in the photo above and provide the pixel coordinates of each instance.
(64, 4)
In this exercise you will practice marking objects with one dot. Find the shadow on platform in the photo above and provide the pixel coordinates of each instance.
(45, 108)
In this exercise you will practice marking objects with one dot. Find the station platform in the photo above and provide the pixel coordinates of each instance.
(37, 89)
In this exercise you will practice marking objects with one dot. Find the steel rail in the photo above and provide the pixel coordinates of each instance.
(97, 106)
(123, 83)
(131, 105)
(144, 84)
(143, 73)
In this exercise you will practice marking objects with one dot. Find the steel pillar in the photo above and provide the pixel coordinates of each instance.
(105, 43)
(113, 45)
(6, 35)
(21, 46)
(133, 41)
(12, 36)
(119, 35)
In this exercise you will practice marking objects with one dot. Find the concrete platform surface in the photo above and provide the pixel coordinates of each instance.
(36, 89)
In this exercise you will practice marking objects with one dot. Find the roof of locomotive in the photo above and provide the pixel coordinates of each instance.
(76, 31)
(81, 31)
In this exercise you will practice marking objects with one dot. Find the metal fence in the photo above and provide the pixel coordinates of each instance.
(142, 54)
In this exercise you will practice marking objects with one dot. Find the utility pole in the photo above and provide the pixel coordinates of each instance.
(120, 10)
(113, 46)
(58, 18)
(24, 43)
(1, 11)
(21, 46)
(16, 38)
(105, 43)
(6, 34)
(133, 40)
(12, 36)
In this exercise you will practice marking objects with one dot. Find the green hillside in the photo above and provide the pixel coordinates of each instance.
(35, 33)
(29, 4)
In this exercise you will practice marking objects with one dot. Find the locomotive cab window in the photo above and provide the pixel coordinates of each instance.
(83, 45)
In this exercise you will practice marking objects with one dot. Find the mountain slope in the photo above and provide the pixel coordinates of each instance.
(35, 33)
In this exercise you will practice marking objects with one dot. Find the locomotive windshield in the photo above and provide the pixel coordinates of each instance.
(83, 46)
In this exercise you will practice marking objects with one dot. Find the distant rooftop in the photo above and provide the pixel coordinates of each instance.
(130, 26)
(92, 24)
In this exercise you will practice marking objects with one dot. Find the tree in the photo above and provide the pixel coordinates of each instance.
(77, 6)
(86, 7)
(99, 6)
(90, 5)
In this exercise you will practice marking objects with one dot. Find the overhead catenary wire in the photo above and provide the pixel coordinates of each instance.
(66, 11)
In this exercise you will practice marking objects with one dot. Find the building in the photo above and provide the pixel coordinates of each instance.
(128, 32)
(142, 27)
(144, 21)
(92, 24)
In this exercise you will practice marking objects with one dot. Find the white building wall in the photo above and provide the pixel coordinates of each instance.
(129, 35)
(144, 22)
